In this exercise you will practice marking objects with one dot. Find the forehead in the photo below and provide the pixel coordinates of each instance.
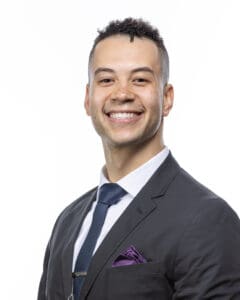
(119, 52)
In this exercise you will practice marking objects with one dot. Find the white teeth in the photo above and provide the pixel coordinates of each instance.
(122, 115)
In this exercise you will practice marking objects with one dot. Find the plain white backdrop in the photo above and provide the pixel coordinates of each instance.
(50, 154)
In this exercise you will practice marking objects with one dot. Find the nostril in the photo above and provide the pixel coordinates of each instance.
(122, 95)
(125, 99)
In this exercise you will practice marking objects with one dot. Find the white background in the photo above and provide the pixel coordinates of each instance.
(50, 154)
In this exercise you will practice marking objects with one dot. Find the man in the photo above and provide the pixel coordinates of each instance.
(167, 237)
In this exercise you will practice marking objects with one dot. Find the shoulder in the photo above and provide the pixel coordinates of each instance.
(206, 255)
(73, 209)
(199, 202)
(189, 200)
(77, 204)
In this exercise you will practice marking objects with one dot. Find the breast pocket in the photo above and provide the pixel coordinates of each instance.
(141, 281)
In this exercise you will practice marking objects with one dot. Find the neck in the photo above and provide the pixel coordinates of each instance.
(120, 161)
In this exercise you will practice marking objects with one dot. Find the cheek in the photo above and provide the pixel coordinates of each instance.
(95, 104)
(96, 109)
(98, 97)
(153, 101)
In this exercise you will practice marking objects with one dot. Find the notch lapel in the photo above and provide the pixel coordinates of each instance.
(140, 208)
(73, 224)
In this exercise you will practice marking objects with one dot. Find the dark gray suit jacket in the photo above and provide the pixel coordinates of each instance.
(189, 236)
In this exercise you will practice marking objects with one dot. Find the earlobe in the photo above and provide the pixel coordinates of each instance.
(168, 97)
(86, 101)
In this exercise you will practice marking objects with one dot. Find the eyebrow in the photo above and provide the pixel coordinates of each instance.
(99, 70)
(109, 70)
(143, 69)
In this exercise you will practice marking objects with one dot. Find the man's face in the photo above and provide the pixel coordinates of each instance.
(125, 95)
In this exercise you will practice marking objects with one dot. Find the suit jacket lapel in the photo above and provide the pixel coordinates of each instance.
(74, 223)
(137, 211)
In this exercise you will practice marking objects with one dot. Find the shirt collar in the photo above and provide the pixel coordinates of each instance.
(135, 180)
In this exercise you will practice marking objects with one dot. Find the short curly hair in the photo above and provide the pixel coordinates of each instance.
(136, 28)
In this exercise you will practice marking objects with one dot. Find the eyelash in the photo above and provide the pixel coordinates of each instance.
(141, 80)
(138, 81)
(106, 80)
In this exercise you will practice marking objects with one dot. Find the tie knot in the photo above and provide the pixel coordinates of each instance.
(110, 193)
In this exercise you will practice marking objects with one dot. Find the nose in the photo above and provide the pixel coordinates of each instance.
(122, 93)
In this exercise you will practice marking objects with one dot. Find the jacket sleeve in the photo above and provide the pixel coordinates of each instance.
(207, 262)
(42, 285)
(42, 290)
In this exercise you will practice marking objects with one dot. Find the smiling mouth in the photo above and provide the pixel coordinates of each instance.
(123, 115)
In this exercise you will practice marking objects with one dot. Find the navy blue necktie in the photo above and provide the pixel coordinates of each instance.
(109, 194)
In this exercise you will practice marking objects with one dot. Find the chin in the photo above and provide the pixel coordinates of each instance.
(124, 143)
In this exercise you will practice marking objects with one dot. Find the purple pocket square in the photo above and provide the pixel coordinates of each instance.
(129, 257)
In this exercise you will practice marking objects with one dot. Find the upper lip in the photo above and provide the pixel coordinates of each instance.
(129, 111)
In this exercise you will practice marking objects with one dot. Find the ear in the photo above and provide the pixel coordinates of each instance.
(87, 100)
(168, 96)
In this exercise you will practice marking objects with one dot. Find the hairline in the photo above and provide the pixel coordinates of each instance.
(163, 55)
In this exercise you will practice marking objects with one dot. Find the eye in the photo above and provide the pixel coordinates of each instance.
(140, 81)
(106, 81)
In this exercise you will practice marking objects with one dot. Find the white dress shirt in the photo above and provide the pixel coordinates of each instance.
(132, 183)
